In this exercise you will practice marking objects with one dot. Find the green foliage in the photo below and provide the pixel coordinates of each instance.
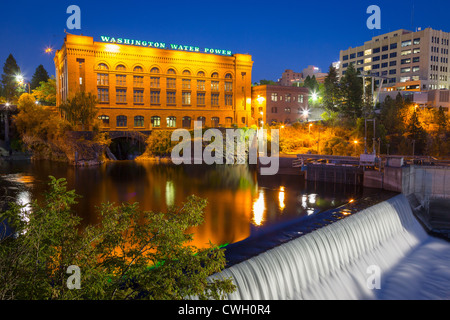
(159, 144)
(36, 120)
(81, 109)
(351, 87)
(45, 93)
(11, 89)
(129, 255)
(40, 75)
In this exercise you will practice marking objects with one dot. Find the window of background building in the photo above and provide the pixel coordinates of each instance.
(201, 98)
(138, 69)
(200, 74)
(171, 83)
(186, 83)
(139, 121)
(121, 96)
(104, 119)
(171, 97)
(186, 98)
(228, 100)
(215, 75)
(186, 73)
(171, 71)
(393, 46)
(121, 67)
(215, 121)
(274, 97)
(202, 120)
(287, 110)
(215, 99)
(201, 85)
(171, 122)
(215, 85)
(228, 86)
(274, 110)
(155, 97)
(186, 122)
(103, 94)
(121, 80)
(156, 121)
(155, 82)
(138, 96)
(121, 121)
(138, 81)
(154, 70)
(102, 66)
(102, 79)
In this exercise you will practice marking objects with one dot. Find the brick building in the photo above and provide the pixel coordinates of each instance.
(144, 85)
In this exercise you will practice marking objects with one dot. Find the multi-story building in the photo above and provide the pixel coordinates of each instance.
(289, 77)
(273, 104)
(143, 85)
(412, 60)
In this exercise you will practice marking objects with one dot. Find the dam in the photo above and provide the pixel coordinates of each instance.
(382, 252)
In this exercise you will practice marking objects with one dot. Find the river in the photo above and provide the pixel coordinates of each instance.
(241, 203)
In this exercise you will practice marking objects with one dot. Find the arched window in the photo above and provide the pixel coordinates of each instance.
(138, 69)
(121, 121)
(215, 122)
(200, 74)
(186, 122)
(228, 76)
(154, 70)
(104, 119)
(186, 73)
(121, 67)
(203, 120)
(228, 122)
(156, 121)
(103, 66)
(139, 121)
(171, 71)
(171, 122)
(215, 75)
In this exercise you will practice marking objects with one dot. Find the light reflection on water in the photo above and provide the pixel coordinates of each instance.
(241, 204)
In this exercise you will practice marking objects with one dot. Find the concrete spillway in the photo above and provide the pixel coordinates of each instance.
(381, 252)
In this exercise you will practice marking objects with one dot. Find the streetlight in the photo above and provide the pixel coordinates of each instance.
(355, 142)
(21, 80)
(309, 127)
(305, 113)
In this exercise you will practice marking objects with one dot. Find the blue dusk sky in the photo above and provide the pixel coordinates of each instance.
(278, 34)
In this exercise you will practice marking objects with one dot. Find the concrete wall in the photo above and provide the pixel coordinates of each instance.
(426, 182)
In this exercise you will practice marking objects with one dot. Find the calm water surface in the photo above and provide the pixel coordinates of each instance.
(241, 204)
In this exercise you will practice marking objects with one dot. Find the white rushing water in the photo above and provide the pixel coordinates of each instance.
(381, 252)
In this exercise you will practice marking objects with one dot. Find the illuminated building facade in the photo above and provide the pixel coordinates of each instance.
(143, 85)
(274, 104)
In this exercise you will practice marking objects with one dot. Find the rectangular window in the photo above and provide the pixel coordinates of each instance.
(377, 58)
(154, 82)
(201, 86)
(300, 98)
(138, 81)
(121, 96)
(186, 98)
(384, 56)
(393, 46)
(416, 50)
(171, 83)
(201, 98)
(121, 80)
(417, 41)
(405, 70)
(102, 79)
(103, 95)
(406, 61)
(416, 59)
(368, 60)
(138, 96)
(376, 50)
(376, 66)
(392, 63)
(406, 52)
(385, 48)
(215, 85)
(288, 98)
(359, 62)
(274, 110)
(353, 56)
(171, 97)
(384, 65)
(345, 58)
(274, 97)
(186, 84)
(393, 55)
(406, 43)
(368, 52)
(155, 97)
(416, 69)
(228, 86)
(360, 54)
(215, 99)
(228, 99)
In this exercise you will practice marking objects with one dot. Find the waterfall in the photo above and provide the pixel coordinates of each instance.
(334, 262)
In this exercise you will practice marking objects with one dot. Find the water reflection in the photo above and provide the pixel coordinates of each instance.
(241, 203)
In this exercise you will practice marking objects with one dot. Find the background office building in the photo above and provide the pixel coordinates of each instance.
(144, 88)
(415, 61)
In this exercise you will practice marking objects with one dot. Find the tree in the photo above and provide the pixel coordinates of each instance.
(129, 255)
(45, 93)
(11, 89)
(416, 133)
(352, 95)
(40, 75)
(81, 109)
(331, 94)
